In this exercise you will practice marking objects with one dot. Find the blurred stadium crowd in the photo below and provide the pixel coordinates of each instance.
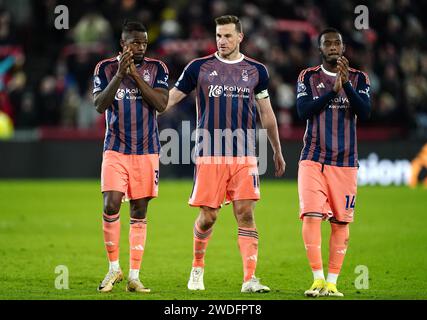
(46, 74)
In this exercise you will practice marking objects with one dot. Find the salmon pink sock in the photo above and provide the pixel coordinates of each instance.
(111, 228)
(137, 236)
(200, 243)
(337, 249)
(311, 234)
(248, 246)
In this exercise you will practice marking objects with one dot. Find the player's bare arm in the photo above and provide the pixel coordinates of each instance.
(175, 96)
(154, 97)
(105, 98)
(269, 122)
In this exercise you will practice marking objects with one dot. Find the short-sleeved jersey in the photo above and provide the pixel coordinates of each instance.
(330, 136)
(131, 124)
(225, 100)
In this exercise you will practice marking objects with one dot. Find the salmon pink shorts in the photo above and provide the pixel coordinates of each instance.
(327, 191)
(219, 180)
(137, 176)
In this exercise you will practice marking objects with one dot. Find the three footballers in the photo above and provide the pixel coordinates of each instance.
(131, 88)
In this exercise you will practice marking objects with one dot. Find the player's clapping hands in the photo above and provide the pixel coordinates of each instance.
(342, 74)
(343, 68)
(125, 62)
(338, 82)
(132, 69)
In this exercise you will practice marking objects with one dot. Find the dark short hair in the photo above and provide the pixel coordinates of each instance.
(327, 30)
(129, 26)
(229, 19)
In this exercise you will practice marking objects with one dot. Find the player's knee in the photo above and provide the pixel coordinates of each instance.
(245, 218)
(111, 207)
(244, 213)
(207, 217)
(138, 208)
(112, 202)
(139, 213)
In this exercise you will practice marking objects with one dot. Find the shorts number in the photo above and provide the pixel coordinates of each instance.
(349, 204)
(156, 179)
(256, 181)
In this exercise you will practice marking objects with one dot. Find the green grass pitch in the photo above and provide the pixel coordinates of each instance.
(44, 224)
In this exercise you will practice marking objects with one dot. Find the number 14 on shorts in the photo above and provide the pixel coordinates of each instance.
(349, 202)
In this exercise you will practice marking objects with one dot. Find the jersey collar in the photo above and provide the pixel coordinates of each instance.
(328, 72)
(230, 61)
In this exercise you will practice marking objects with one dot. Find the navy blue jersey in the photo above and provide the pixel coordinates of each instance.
(330, 136)
(131, 123)
(225, 100)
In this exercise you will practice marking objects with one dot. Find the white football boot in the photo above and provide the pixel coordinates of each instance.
(196, 279)
(110, 280)
(253, 285)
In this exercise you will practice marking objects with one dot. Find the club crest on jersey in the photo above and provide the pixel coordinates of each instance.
(245, 76)
(146, 76)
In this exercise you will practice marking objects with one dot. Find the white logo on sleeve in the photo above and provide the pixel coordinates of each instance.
(301, 87)
(96, 82)
(301, 90)
(365, 92)
(163, 82)
(179, 79)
